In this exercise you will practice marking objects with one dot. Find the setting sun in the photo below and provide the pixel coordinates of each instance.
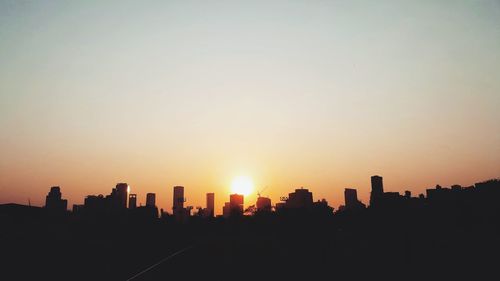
(242, 185)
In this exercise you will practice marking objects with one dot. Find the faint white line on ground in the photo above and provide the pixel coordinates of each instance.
(161, 261)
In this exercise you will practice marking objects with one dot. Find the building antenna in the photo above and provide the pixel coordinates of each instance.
(29, 202)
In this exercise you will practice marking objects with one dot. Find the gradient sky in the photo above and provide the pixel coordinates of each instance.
(320, 94)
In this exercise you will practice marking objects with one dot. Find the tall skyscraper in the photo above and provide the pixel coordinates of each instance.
(178, 204)
(54, 200)
(350, 197)
(150, 200)
(210, 204)
(132, 201)
(122, 190)
(236, 204)
(377, 190)
(226, 210)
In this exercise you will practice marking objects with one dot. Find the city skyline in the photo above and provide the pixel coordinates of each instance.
(259, 140)
(392, 235)
(196, 196)
(129, 200)
(321, 95)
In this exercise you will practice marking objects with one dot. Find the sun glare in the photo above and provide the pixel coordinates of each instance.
(242, 185)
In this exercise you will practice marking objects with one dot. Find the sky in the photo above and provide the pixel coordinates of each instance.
(314, 94)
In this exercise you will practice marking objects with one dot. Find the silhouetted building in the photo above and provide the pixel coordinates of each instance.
(93, 200)
(350, 197)
(407, 194)
(144, 213)
(132, 201)
(280, 206)
(97, 204)
(236, 199)
(322, 205)
(53, 200)
(118, 198)
(178, 203)
(447, 196)
(492, 185)
(377, 190)
(263, 204)
(210, 205)
(351, 200)
(122, 190)
(391, 195)
(77, 208)
(392, 200)
(438, 193)
(226, 210)
(301, 198)
(236, 202)
(151, 200)
(180, 213)
(18, 212)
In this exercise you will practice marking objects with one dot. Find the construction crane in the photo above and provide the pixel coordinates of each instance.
(258, 193)
(250, 210)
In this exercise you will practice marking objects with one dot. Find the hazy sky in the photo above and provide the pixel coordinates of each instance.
(320, 94)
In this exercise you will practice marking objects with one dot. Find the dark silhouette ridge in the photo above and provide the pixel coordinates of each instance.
(449, 233)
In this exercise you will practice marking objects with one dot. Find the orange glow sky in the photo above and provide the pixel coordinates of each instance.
(320, 94)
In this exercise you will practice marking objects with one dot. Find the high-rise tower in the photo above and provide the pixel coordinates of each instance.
(377, 190)
(178, 204)
(132, 201)
(210, 204)
(150, 200)
(122, 190)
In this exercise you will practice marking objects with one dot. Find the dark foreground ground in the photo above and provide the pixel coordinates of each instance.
(369, 245)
